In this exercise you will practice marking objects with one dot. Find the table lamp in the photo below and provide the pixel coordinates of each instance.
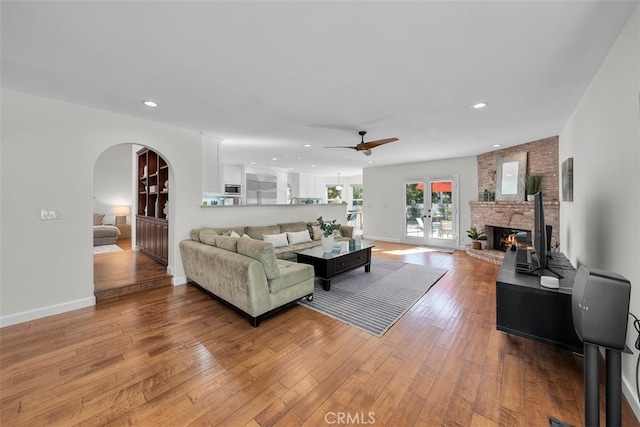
(121, 213)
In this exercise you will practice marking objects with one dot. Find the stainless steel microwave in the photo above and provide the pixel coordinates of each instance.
(232, 190)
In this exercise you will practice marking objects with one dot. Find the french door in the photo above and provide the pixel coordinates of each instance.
(431, 211)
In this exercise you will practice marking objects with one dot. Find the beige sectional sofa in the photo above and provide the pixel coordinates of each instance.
(251, 272)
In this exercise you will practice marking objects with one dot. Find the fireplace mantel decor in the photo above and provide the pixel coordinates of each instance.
(512, 170)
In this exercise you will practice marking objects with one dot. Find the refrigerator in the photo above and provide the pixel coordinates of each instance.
(261, 189)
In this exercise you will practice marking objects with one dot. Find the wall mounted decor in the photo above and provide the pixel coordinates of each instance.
(567, 180)
(510, 177)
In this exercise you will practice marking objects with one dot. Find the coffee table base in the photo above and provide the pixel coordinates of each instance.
(326, 283)
(328, 268)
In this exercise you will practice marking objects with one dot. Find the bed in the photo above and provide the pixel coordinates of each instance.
(103, 234)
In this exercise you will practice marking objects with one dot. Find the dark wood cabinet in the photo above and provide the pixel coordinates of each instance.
(525, 308)
(152, 222)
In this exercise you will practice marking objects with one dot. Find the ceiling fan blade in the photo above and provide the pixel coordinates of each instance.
(372, 144)
(343, 146)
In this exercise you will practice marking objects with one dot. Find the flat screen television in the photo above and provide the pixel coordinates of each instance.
(541, 237)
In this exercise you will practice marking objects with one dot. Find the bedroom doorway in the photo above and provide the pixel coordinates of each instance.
(118, 267)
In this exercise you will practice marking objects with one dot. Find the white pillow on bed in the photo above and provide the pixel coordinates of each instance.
(278, 240)
(97, 219)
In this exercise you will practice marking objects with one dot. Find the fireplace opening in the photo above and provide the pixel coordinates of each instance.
(503, 237)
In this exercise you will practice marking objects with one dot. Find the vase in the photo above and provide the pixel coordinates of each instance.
(327, 243)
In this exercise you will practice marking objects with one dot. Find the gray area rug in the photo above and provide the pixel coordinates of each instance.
(374, 301)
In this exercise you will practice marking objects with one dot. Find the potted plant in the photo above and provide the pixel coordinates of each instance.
(476, 236)
(327, 230)
(532, 185)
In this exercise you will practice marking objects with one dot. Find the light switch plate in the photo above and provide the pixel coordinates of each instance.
(50, 213)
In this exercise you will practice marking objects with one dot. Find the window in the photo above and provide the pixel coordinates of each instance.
(334, 195)
(356, 196)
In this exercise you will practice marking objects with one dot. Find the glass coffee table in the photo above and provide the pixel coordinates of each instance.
(328, 265)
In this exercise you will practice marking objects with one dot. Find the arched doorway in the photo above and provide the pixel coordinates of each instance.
(119, 268)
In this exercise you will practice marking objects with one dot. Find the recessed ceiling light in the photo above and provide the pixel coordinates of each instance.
(313, 166)
(274, 158)
(150, 103)
(479, 105)
(298, 158)
(307, 145)
(253, 163)
(497, 145)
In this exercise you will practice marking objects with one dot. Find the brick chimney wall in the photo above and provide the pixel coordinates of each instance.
(542, 159)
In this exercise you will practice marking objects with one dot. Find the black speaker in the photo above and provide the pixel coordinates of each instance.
(600, 307)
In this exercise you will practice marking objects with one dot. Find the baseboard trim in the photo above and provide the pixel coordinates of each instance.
(629, 393)
(51, 310)
(176, 281)
(382, 239)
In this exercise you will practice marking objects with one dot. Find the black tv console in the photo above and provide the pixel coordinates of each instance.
(526, 309)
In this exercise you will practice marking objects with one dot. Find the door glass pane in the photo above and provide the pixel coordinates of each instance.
(441, 210)
(414, 208)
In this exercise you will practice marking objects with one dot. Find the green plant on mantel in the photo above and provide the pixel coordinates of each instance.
(532, 184)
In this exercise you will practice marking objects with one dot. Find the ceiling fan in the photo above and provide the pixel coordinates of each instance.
(366, 147)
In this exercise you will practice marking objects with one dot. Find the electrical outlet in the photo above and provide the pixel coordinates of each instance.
(50, 213)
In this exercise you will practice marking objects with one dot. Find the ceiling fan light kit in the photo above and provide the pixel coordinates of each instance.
(365, 147)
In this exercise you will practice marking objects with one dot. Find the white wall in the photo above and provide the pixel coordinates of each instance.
(598, 228)
(49, 149)
(49, 152)
(384, 194)
(112, 178)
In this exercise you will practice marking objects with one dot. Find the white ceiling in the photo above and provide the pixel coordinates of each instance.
(270, 76)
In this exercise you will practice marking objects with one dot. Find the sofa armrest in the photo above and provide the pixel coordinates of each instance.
(346, 230)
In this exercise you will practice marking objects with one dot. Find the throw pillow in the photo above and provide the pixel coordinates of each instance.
(278, 240)
(317, 232)
(227, 243)
(208, 236)
(295, 237)
(245, 236)
(97, 219)
(234, 234)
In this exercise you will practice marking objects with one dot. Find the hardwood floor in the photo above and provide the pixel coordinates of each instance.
(174, 356)
(125, 272)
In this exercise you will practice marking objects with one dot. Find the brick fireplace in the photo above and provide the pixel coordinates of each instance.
(542, 159)
(511, 215)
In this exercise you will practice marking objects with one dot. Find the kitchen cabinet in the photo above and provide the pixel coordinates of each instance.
(232, 174)
(211, 166)
(312, 186)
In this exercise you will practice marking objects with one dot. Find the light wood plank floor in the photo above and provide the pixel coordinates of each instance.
(128, 271)
(175, 356)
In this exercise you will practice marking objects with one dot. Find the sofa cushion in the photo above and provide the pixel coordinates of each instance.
(257, 232)
(316, 232)
(263, 252)
(293, 226)
(195, 234)
(278, 240)
(292, 274)
(227, 231)
(227, 243)
(295, 237)
(208, 236)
